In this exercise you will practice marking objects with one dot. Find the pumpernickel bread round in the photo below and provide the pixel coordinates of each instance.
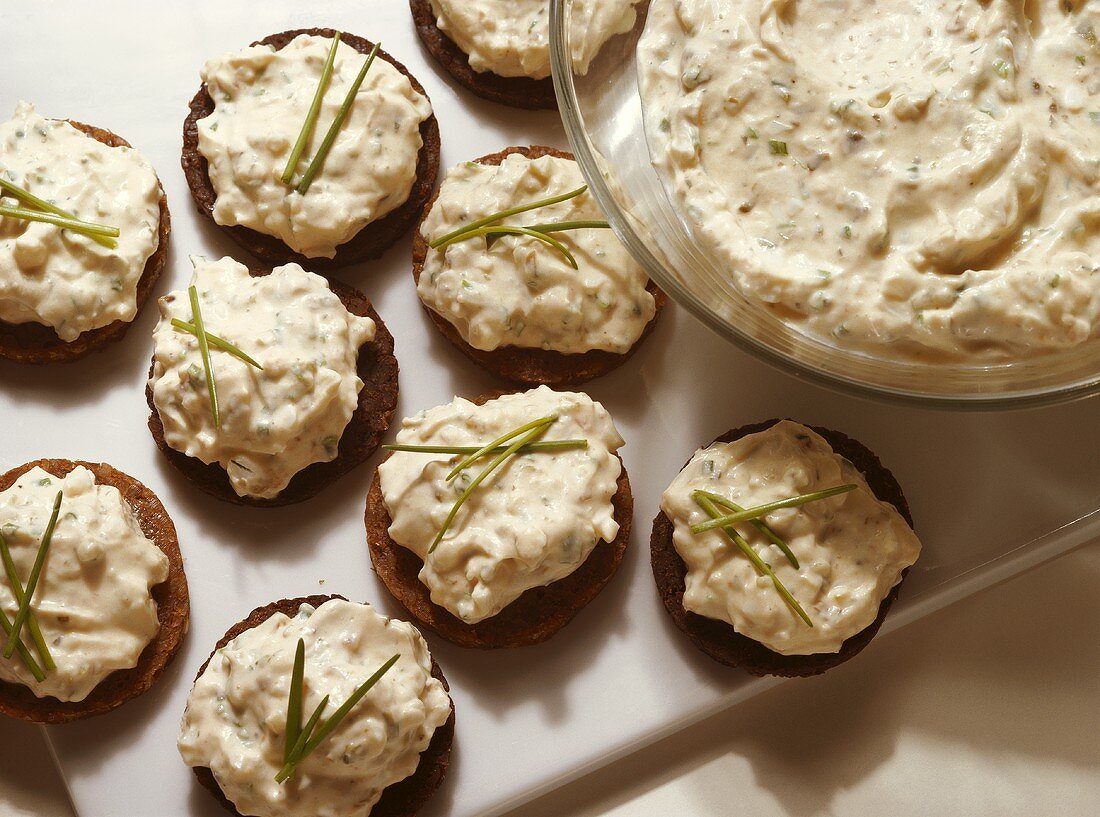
(719, 639)
(173, 607)
(514, 363)
(518, 92)
(535, 616)
(32, 342)
(377, 368)
(371, 241)
(401, 799)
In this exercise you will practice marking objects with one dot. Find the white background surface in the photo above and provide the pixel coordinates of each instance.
(978, 484)
(988, 709)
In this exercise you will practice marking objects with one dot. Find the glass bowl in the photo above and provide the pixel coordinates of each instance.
(602, 112)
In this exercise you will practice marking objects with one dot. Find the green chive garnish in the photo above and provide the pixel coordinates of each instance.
(503, 229)
(759, 524)
(32, 580)
(32, 619)
(85, 228)
(29, 198)
(318, 160)
(530, 448)
(204, 350)
(499, 441)
(314, 110)
(762, 567)
(299, 746)
(294, 701)
(217, 342)
(561, 226)
(512, 211)
(492, 466)
(22, 651)
(298, 755)
(760, 510)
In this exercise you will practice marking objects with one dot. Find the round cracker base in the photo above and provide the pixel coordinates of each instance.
(532, 618)
(37, 343)
(377, 368)
(173, 608)
(374, 238)
(401, 799)
(530, 367)
(518, 92)
(719, 639)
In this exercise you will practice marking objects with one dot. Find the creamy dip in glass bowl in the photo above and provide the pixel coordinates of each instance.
(603, 114)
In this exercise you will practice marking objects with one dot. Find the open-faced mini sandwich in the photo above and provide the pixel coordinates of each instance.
(500, 49)
(779, 548)
(319, 706)
(311, 146)
(93, 599)
(495, 521)
(83, 237)
(266, 387)
(518, 269)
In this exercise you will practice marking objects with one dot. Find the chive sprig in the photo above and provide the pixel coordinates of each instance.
(204, 351)
(756, 512)
(32, 620)
(530, 448)
(216, 342)
(24, 609)
(312, 114)
(86, 228)
(319, 157)
(307, 738)
(27, 197)
(759, 524)
(762, 567)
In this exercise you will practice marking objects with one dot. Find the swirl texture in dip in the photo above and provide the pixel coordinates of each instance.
(917, 178)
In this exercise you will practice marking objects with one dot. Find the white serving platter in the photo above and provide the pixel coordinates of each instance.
(982, 487)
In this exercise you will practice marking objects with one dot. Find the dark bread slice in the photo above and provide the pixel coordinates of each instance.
(173, 608)
(519, 92)
(719, 639)
(514, 363)
(401, 799)
(535, 616)
(377, 368)
(37, 343)
(371, 241)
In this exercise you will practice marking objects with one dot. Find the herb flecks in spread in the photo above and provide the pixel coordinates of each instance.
(918, 179)
(276, 419)
(565, 283)
(511, 38)
(847, 548)
(261, 98)
(236, 716)
(527, 526)
(52, 174)
(91, 602)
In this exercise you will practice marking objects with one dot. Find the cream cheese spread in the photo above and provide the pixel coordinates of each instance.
(60, 278)
(261, 98)
(532, 522)
(511, 38)
(851, 548)
(918, 179)
(235, 721)
(520, 292)
(276, 421)
(93, 601)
